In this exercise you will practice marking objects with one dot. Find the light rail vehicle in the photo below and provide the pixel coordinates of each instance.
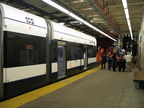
(35, 52)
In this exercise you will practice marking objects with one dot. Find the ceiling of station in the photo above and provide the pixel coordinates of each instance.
(107, 15)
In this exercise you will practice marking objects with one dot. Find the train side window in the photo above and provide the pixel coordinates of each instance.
(78, 53)
(91, 51)
(28, 57)
(70, 51)
(22, 49)
(74, 51)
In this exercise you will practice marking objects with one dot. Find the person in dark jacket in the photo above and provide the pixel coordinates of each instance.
(109, 60)
(114, 57)
(103, 60)
(122, 63)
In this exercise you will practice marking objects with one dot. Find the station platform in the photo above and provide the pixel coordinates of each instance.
(95, 88)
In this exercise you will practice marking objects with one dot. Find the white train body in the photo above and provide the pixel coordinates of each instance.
(35, 52)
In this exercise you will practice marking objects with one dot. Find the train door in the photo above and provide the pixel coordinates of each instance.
(61, 60)
(1, 59)
(85, 57)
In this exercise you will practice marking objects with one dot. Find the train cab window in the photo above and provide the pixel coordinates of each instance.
(22, 49)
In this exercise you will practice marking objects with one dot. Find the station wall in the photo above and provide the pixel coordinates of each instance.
(141, 44)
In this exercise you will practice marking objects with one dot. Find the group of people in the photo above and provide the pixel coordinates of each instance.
(117, 61)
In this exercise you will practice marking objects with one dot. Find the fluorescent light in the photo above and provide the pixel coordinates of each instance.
(50, 2)
(77, 1)
(86, 9)
(56, 6)
(129, 24)
(124, 2)
(126, 13)
(131, 35)
(130, 28)
(76, 17)
(127, 16)
(88, 24)
(61, 23)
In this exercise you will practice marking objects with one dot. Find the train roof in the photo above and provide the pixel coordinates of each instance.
(16, 20)
(19, 21)
(62, 32)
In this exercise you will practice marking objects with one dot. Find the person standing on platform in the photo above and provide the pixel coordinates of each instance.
(109, 60)
(114, 58)
(128, 58)
(103, 60)
(122, 64)
(121, 53)
(134, 60)
(123, 50)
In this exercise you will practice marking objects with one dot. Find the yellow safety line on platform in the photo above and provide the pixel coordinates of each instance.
(30, 96)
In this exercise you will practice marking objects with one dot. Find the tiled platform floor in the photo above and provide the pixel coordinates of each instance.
(101, 89)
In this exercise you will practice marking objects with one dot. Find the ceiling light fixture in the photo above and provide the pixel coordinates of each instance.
(125, 6)
(50, 2)
(56, 6)
(84, 9)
